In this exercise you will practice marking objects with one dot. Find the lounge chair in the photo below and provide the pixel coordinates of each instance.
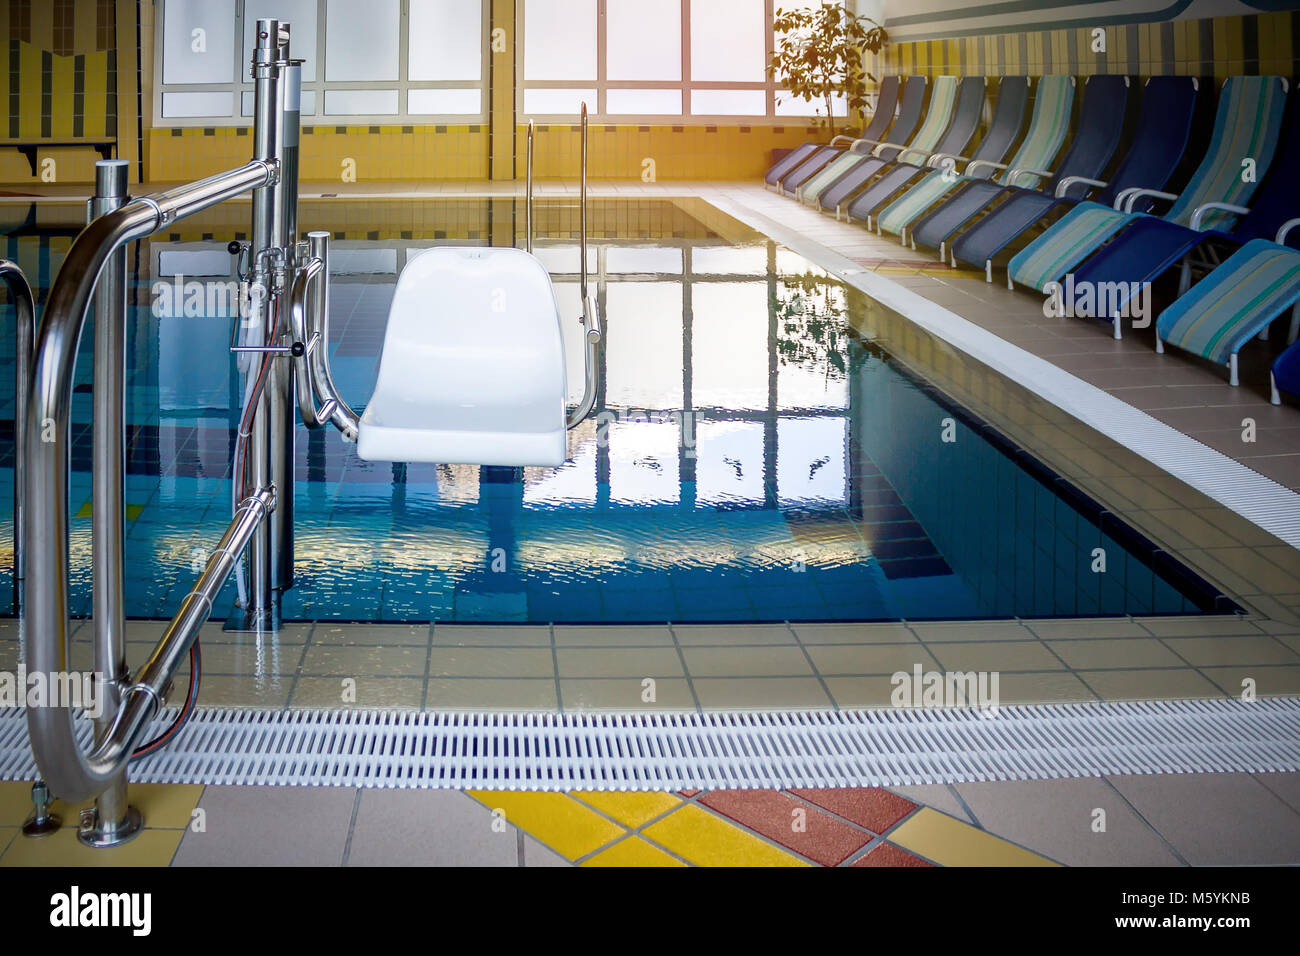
(1234, 303)
(1285, 376)
(1163, 127)
(822, 153)
(1053, 104)
(1008, 120)
(1097, 136)
(950, 122)
(1246, 127)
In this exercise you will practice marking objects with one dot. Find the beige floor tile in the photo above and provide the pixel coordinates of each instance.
(1169, 684)
(370, 693)
(466, 693)
(861, 692)
(1212, 625)
(491, 662)
(381, 635)
(1060, 629)
(999, 656)
(972, 631)
(669, 694)
(614, 635)
(151, 847)
(635, 662)
(485, 635)
(745, 661)
(765, 693)
(840, 659)
(691, 635)
(1051, 687)
(245, 660)
(1212, 651)
(854, 634)
(1267, 681)
(1123, 652)
(220, 691)
(358, 660)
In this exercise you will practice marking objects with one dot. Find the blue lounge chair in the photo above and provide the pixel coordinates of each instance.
(1053, 104)
(1234, 303)
(875, 131)
(1008, 120)
(886, 106)
(1246, 128)
(946, 130)
(863, 149)
(1163, 126)
(1097, 136)
(1150, 246)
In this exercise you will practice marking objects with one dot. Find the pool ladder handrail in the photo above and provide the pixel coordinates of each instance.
(20, 291)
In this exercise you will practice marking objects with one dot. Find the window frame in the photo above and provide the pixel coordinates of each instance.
(319, 85)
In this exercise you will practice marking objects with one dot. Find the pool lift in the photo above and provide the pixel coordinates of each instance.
(472, 371)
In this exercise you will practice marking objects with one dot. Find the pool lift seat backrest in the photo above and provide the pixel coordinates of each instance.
(472, 370)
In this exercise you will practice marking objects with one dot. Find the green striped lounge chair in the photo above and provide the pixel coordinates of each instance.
(1246, 127)
(943, 97)
(1234, 303)
(1053, 104)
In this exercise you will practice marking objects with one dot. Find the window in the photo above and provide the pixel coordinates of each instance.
(377, 61)
(20, 20)
(64, 31)
(674, 60)
(105, 25)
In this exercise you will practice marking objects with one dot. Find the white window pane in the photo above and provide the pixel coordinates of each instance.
(182, 105)
(306, 103)
(642, 260)
(728, 41)
(560, 39)
(301, 17)
(729, 462)
(458, 102)
(564, 259)
(729, 345)
(360, 102)
(788, 105)
(198, 42)
(446, 40)
(644, 102)
(810, 459)
(728, 102)
(568, 102)
(643, 462)
(361, 40)
(643, 40)
(643, 340)
(729, 260)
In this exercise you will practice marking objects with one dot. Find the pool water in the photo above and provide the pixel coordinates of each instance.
(751, 459)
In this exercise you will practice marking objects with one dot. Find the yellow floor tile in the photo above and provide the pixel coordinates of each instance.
(150, 848)
(633, 852)
(952, 843)
(630, 809)
(556, 819)
(699, 836)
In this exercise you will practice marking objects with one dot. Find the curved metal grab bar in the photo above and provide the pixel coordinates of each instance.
(590, 308)
(24, 305)
(308, 300)
(72, 774)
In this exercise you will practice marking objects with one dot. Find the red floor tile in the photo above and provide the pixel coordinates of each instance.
(688, 793)
(823, 839)
(873, 808)
(889, 855)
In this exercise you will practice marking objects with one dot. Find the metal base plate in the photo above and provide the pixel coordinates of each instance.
(248, 621)
(44, 828)
(95, 833)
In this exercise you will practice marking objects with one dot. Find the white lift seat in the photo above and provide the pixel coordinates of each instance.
(472, 370)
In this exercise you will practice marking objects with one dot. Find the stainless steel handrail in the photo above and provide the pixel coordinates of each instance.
(309, 325)
(24, 307)
(590, 307)
(72, 774)
(528, 194)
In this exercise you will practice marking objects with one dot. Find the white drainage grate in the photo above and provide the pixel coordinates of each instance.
(709, 751)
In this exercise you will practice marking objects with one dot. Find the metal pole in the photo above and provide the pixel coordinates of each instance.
(528, 201)
(582, 205)
(25, 317)
(113, 821)
(267, 229)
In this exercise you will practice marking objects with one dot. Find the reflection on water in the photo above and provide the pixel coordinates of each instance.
(750, 459)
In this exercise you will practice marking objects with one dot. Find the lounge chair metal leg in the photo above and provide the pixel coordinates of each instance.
(943, 252)
(1011, 283)
(1294, 331)
(1119, 332)
(1160, 346)
(988, 269)
(1232, 370)
(1273, 396)
(837, 212)
(1263, 334)
(1185, 277)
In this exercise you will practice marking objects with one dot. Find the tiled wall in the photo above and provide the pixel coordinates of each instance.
(1266, 43)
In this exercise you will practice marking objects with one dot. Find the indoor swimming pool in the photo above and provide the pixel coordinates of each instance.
(753, 457)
